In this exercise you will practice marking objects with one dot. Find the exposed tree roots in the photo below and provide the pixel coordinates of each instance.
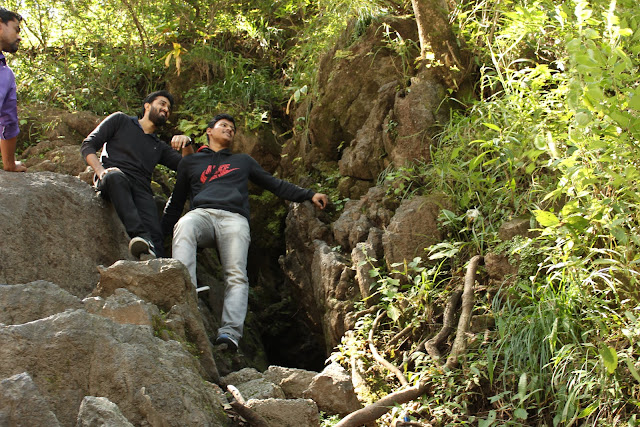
(374, 351)
(449, 315)
(376, 410)
(245, 412)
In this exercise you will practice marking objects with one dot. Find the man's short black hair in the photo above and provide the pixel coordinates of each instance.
(6, 16)
(153, 95)
(219, 117)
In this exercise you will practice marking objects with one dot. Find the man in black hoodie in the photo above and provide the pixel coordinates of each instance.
(216, 180)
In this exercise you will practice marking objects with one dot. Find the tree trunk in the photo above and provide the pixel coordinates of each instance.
(438, 45)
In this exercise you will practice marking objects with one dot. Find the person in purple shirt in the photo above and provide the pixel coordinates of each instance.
(9, 130)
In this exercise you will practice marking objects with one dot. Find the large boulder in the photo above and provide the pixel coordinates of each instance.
(165, 283)
(75, 354)
(54, 227)
(21, 403)
(413, 228)
(333, 391)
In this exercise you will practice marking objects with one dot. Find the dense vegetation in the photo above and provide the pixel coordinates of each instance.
(552, 134)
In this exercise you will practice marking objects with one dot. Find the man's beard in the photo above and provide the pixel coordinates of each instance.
(13, 47)
(156, 118)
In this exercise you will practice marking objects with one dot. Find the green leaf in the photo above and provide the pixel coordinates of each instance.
(489, 421)
(520, 414)
(609, 358)
(620, 235)
(492, 126)
(546, 218)
(589, 410)
(578, 223)
(522, 387)
(393, 313)
(632, 369)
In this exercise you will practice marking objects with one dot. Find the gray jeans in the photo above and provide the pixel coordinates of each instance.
(229, 233)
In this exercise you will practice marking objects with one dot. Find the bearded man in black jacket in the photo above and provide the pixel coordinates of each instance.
(216, 180)
(130, 152)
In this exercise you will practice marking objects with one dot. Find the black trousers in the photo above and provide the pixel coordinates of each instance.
(135, 207)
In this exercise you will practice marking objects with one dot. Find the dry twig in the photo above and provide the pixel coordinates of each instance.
(468, 301)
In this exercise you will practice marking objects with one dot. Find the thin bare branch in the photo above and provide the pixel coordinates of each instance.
(398, 373)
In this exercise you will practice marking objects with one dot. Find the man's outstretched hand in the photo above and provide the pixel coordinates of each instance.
(320, 200)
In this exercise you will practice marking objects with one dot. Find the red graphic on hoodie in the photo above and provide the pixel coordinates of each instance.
(212, 172)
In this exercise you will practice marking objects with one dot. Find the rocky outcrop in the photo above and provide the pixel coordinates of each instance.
(54, 227)
(306, 393)
(163, 283)
(413, 228)
(22, 404)
(348, 88)
(59, 353)
(371, 232)
(75, 354)
(417, 114)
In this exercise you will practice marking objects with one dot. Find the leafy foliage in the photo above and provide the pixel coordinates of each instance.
(553, 135)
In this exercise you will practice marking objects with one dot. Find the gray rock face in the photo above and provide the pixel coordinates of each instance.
(413, 228)
(59, 233)
(333, 391)
(21, 403)
(286, 412)
(365, 158)
(360, 217)
(100, 411)
(164, 283)
(412, 121)
(75, 354)
(33, 301)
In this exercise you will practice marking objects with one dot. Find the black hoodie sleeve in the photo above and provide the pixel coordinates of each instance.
(279, 187)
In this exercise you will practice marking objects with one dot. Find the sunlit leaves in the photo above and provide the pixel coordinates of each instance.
(609, 358)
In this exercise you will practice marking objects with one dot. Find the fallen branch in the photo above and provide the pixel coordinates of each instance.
(245, 412)
(377, 409)
(390, 366)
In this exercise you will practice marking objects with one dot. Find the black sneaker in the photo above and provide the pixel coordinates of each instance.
(224, 339)
(139, 247)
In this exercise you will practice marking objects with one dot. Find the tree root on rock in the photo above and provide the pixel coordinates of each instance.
(239, 404)
(377, 409)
